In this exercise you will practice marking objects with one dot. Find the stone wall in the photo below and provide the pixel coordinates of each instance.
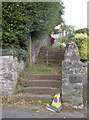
(37, 41)
(73, 77)
(85, 83)
(9, 69)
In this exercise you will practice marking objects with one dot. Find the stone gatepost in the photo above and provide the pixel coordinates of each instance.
(72, 77)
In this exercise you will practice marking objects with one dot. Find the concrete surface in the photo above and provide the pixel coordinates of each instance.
(10, 111)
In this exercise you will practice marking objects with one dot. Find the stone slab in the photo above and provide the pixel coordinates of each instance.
(75, 78)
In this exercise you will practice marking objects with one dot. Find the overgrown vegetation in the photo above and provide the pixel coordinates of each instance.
(42, 69)
(20, 19)
(83, 30)
(0, 23)
(81, 37)
(19, 90)
(82, 42)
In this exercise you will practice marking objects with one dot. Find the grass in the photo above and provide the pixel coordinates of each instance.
(41, 69)
(35, 109)
(54, 48)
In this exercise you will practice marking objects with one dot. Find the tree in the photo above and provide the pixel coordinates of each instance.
(19, 19)
(0, 24)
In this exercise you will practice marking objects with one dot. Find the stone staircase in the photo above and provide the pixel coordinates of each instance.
(49, 55)
(41, 87)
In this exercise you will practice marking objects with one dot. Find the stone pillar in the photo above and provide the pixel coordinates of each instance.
(72, 77)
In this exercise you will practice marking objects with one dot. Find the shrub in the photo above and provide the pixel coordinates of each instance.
(82, 41)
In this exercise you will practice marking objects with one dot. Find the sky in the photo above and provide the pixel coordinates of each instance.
(75, 13)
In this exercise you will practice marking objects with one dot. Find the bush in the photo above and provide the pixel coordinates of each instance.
(82, 41)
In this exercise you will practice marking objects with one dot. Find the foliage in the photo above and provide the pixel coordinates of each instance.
(88, 47)
(82, 41)
(19, 53)
(25, 84)
(69, 33)
(83, 30)
(51, 100)
(35, 109)
(83, 50)
(19, 90)
(19, 19)
(55, 31)
(61, 44)
(69, 29)
(0, 23)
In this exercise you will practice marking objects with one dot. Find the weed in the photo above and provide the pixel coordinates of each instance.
(25, 84)
(35, 109)
(19, 90)
(51, 100)
(39, 102)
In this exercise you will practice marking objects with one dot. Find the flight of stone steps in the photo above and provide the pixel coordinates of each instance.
(44, 86)
(41, 87)
(49, 56)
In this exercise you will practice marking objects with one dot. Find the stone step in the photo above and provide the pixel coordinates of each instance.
(29, 97)
(50, 57)
(41, 90)
(50, 53)
(49, 60)
(44, 77)
(43, 83)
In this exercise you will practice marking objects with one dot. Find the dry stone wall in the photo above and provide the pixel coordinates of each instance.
(73, 77)
(9, 69)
